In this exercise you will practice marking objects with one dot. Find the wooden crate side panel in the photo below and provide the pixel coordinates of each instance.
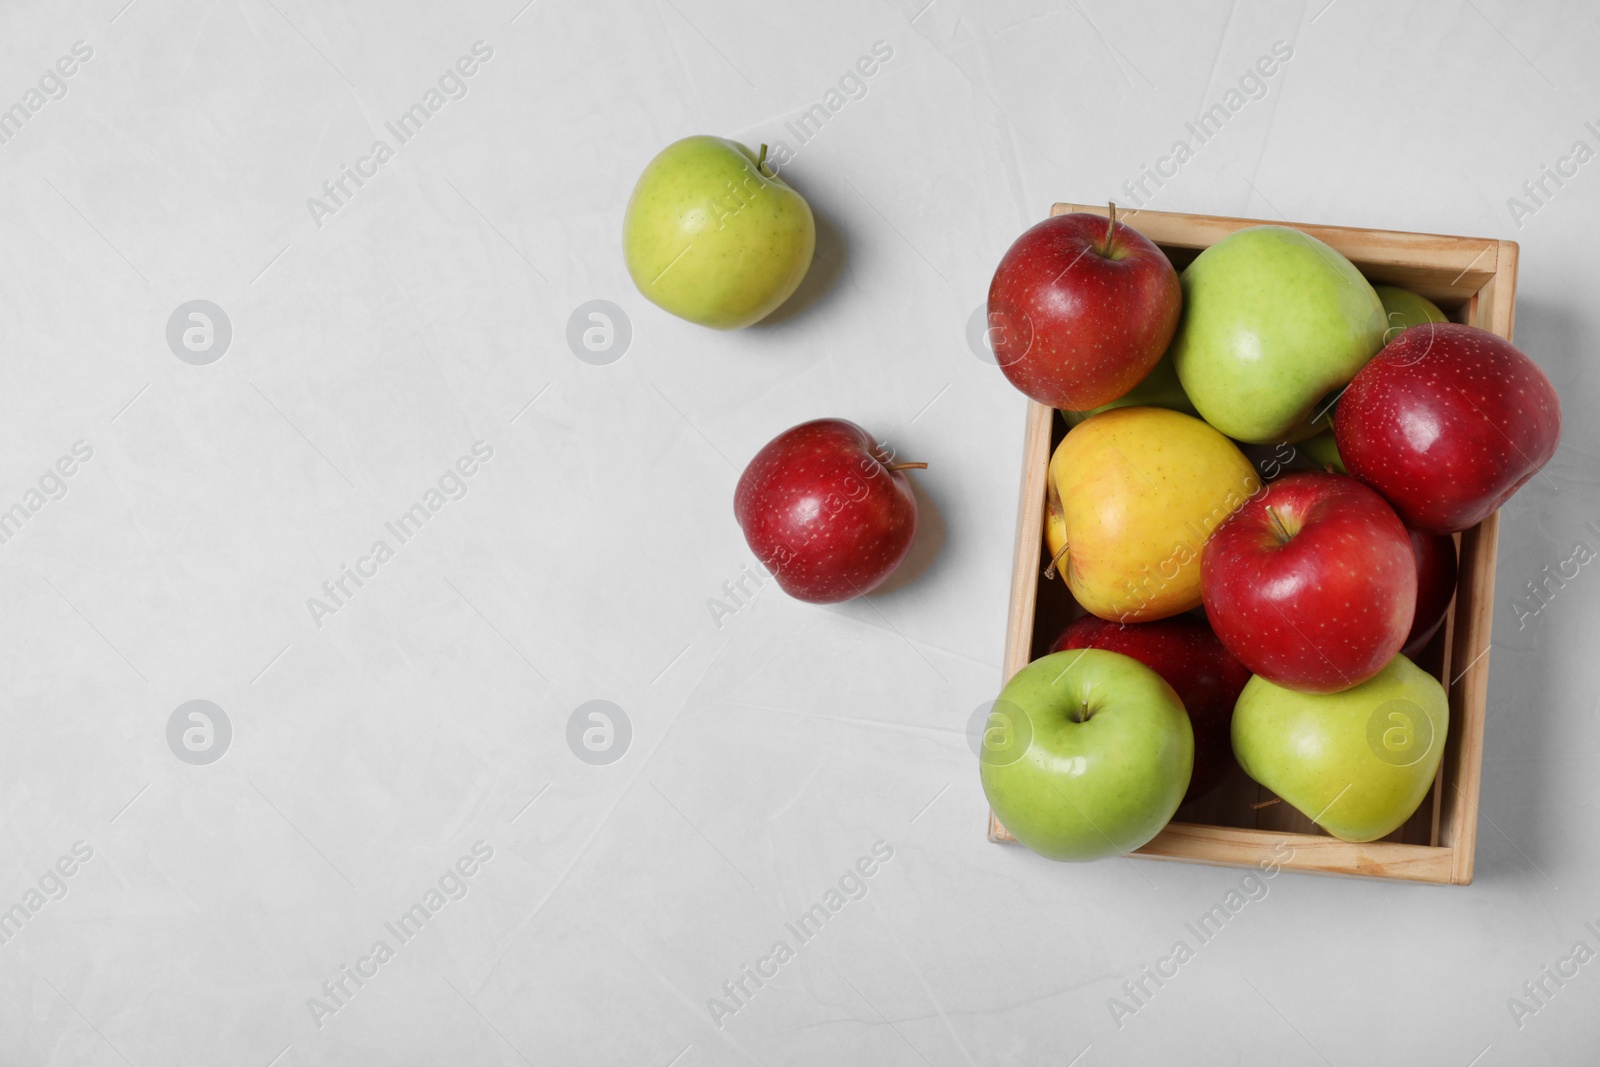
(1318, 854)
(1498, 299)
(1469, 691)
(1442, 268)
(1026, 561)
(1222, 846)
(1469, 684)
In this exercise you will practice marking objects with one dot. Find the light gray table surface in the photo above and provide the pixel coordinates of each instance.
(417, 726)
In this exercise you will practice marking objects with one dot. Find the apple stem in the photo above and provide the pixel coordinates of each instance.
(1083, 715)
(1111, 226)
(908, 467)
(1284, 536)
(761, 161)
(1050, 571)
(1266, 803)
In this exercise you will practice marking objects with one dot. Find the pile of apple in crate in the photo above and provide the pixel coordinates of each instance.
(1229, 617)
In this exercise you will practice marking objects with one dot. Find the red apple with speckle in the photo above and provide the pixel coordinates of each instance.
(1447, 422)
(1436, 587)
(827, 510)
(1312, 583)
(1080, 310)
(1204, 674)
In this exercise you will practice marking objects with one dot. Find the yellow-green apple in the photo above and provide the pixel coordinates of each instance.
(1081, 308)
(1324, 451)
(1447, 422)
(1131, 497)
(1188, 656)
(1405, 309)
(1274, 323)
(1356, 763)
(1312, 584)
(1086, 754)
(714, 236)
(1159, 389)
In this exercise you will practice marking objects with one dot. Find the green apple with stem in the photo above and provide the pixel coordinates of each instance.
(1356, 763)
(1086, 754)
(1405, 309)
(1275, 323)
(713, 235)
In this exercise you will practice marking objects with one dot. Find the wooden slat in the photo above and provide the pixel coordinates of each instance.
(1223, 846)
(1497, 300)
(1472, 618)
(1469, 692)
(1319, 854)
(1440, 267)
(1025, 560)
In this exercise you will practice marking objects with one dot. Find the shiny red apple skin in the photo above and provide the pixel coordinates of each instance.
(1447, 421)
(1074, 326)
(1204, 674)
(823, 512)
(1436, 587)
(1328, 608)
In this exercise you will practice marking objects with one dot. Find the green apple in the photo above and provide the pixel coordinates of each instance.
(1158, 389)
(1086, 754)
(1274, 321)
(1405, 309)
(1356, 763)
(714, 236)
(1324, 450)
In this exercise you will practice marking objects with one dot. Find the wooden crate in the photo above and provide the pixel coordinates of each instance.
(1474, 281)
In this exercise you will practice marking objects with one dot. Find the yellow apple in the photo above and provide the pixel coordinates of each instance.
(1131, 497)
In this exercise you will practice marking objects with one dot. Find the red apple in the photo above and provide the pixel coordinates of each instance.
(1447, 422)
(1312, 583)
(1080, 309)
(826, 510)
(1436, 585)
(1204, 674)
